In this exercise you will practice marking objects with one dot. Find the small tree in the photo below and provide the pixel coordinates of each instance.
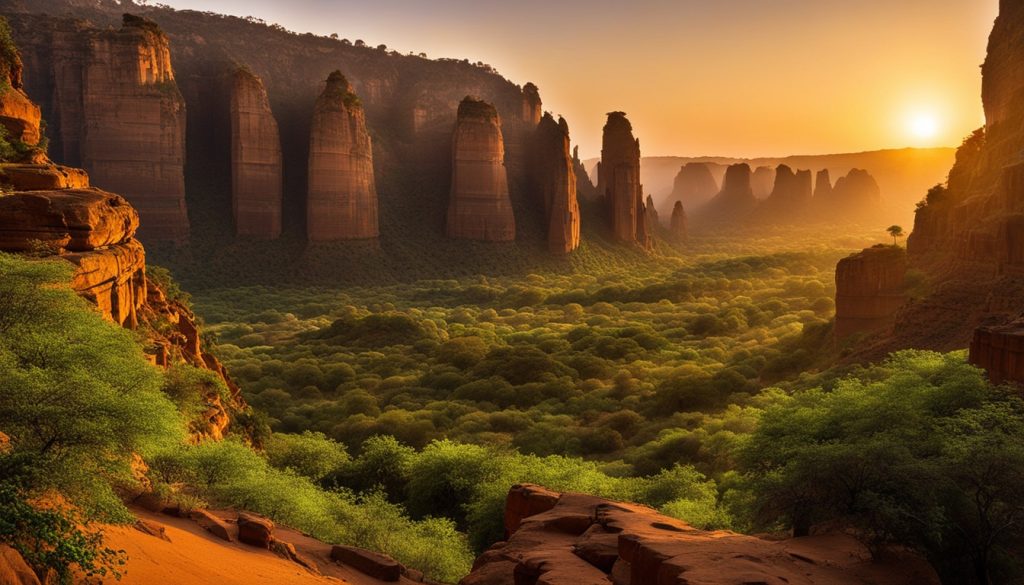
(896, 232)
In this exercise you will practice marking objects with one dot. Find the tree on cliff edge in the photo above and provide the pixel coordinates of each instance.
(896, 232)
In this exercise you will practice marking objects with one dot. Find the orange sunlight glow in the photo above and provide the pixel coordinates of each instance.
(923, 126)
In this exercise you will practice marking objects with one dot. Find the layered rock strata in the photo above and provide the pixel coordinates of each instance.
(256, 164)
(870, 290)
(479, 207)
(133, 139)
(575, 539)
(342, 198)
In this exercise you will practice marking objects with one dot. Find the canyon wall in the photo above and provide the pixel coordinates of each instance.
(870, 289)
(256, 162)
(556, 185)
(133, 138)
(479, 207)
(619, 182)
(342, 200)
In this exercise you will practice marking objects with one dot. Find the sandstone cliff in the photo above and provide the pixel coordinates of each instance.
(50, 210)
(619, 182)
(999, 350)
(479, 207)
(790, 199)
(870, 290)
(574, 539)
(133, 137)
(342, 199)
(555, 176)
(532, 105)
(678, 228)
(19, 117)
(694, 185)
(256, 163)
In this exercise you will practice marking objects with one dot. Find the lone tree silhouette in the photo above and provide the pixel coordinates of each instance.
(896, 232)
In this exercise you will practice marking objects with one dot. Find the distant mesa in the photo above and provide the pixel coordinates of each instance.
(763, 182)
(342, 199)
(735, 202)
(619, 183)
(479, 207)
(694, 185)
(256, 163)
(556, 183)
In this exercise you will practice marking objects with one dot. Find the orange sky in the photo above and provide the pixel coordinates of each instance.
(700, 77)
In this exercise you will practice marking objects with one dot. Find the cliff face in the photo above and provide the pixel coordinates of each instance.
(619, 182)
(52, 211)
(479, 207)
(694, 185)
(133, 137)
(18, 115)
(555, 176)
(342, 199)
(823, 185)
(574, 539)
(256, 163)
(678, 228)
(532, 106)
(790, 199)
(870, 290)
(735, 201)
(999, 350)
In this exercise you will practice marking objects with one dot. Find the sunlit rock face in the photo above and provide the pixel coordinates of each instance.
(532, 106)
(870, 289)
(342, 198)
(735, 201)
(555, 182)
(133, 138)
(678, 228)
(255, 159)
(18, 115)
(694, 185)
(575, 539)
(619, 182)
(762, 182)
(479, 207)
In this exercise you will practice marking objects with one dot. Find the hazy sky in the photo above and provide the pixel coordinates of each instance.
(700, 77)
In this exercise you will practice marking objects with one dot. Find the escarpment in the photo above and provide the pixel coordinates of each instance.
(342, 198)
(870, 289)
(619, 182)
(256, 161)
(556, 184)
(479, 207)
(574, 539)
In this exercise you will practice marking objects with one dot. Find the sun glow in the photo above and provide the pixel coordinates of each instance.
(923, 126)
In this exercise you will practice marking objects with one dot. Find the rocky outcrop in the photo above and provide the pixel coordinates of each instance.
(619, 182)
(694, 185)
(762, 182)
(13, 568)
(870, 290)
(19, 116)
(555, 177)
(256, 165)
(823, 186)
(479, 207)
(342, 199)
(790, 199)
(735, 201)
(653, 221)
(999, 350)
(532, 106)
(678, 228)
(134, 125)
(574, 539)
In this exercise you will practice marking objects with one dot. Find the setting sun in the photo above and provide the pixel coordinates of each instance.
(923, 126)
